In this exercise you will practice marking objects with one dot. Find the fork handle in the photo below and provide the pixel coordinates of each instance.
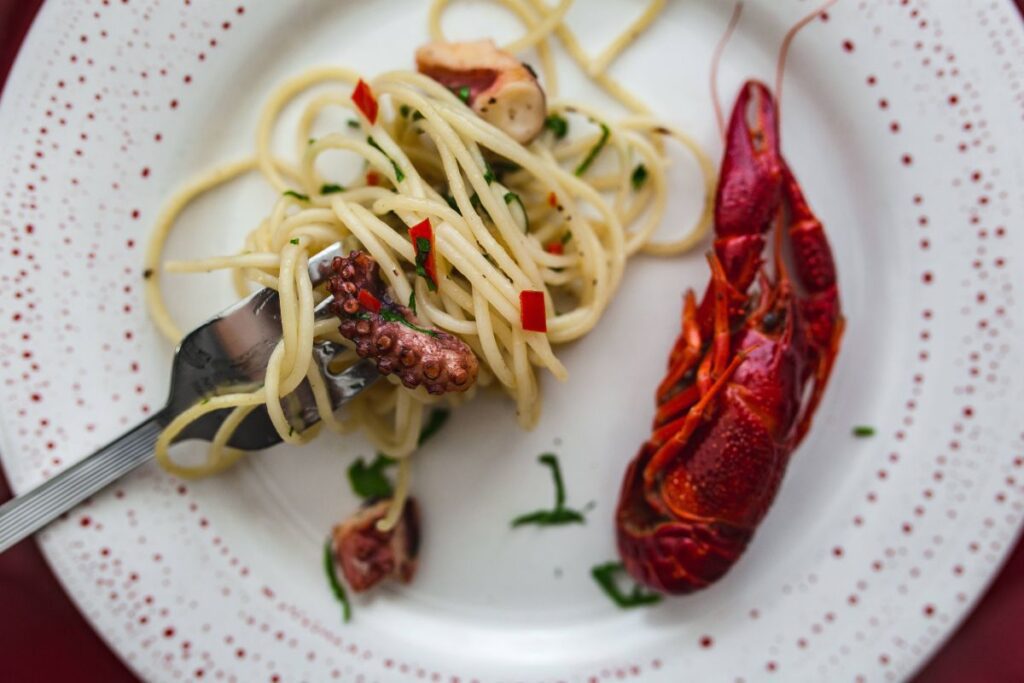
(31, 511)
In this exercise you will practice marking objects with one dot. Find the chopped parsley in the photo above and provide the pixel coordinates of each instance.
(331, 188)
(503, 166)
(863, 431)
(399, 176)
(370, 481)
(463, 94)
(566, 237)
(354, 123)
(639, 176)
(296, 195)
(452, 203)
(392, 315)
(604, 575)
(513, 197)
(438, 418)
(311, 141)
(294, 240)
(478, 204)
(594, 151)
(412, 302)
(405, 110)
(489, 173)
(422, 256)
(560, 514)
(557, 125)
(335, 584)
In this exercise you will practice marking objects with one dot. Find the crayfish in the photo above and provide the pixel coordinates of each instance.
(746, 373)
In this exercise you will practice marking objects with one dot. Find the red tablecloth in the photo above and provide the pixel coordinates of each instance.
(44, 638)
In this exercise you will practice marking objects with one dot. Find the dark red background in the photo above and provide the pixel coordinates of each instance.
(44, 638)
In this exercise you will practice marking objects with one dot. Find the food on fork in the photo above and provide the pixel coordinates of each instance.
(387, 331)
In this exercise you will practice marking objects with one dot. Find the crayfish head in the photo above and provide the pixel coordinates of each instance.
(750, 184)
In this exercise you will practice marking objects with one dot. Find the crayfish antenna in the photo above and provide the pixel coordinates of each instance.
(716, 60)
(780, 65)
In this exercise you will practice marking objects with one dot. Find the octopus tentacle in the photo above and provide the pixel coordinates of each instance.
(389, 333)
(368, 555)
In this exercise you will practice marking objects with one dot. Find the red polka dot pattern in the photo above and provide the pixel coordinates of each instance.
(82, 178)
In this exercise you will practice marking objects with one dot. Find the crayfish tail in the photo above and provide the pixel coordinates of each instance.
(667, 553)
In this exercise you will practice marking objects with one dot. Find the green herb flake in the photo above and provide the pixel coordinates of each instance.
(399, 176)
(404, 111)
(296, 195)
(594, 151)
(438, 418)
(335, 584)
(291, 430)
(605, 576)
(489, 175)
(422, 254)
(463, 94)
(863, 431)
(417, 116)
(204, 401)
(558, 515)
(412, 302)
(639, 176)
(370, 481)
(557, 125)
(331, 188)
(354, 123)
(566, 237)
(452, 203)
(478, 204)
(311, 141)
(392, 315)
(513, 197)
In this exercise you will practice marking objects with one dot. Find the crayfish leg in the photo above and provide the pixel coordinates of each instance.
(686, 352)
(667, 451)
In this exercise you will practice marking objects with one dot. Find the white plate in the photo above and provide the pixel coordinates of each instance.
(903, 120)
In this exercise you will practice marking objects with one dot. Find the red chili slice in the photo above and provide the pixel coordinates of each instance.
(555, 248)
(364, 99)
(552, 199)
(420, 231)
(368, 301)
(531, 311)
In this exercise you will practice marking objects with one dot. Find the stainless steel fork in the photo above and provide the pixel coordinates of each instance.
(229, 351)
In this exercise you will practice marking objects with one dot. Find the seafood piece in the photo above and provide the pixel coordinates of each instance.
(745, 375)
(368, 555)
(498, 87)
(390, 334)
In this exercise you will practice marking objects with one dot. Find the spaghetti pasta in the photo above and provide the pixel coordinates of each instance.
(560, 216)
